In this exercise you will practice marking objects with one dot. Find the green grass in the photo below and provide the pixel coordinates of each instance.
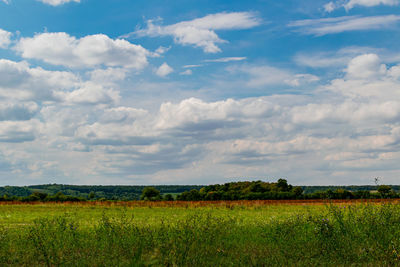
(276, 235)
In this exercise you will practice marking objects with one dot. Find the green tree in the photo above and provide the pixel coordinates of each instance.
(384, 190)
(282, 185)
(168, 197)
(92, 195)
(150, 193)
(297, 190)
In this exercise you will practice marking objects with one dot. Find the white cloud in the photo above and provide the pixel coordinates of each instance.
(366, 66)
(5, 38)
(89, 93)
(164, 70)
(349, 127)
(264, 75)
(89, 51)
(369, 3)
(193, 66)
(160, 51)
(331, 6)
(201, 32)
(18, 131)
(5, 1)
(340, 58)
(57, 2)
(17, 111)
(326, 26)
(366, 77)
(108, 75)
(226, 59)
(299, 79)
(19, 81)
(186, 72)
(122, 114)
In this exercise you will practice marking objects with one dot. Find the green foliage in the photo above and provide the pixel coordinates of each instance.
(150, 193)
(334, 235)
(229, 191)
(168, 197)
(244, 190)
(384, 190)
(92, 195)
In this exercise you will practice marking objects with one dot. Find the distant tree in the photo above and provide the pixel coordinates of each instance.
(168, 197)
(384, 190)
(91, 195)
(282, 185)
(150, 193)
(39, 196)
(297, 190)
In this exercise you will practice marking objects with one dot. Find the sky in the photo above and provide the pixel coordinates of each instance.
(199, 92)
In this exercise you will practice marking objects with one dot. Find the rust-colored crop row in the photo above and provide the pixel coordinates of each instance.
(196, 204)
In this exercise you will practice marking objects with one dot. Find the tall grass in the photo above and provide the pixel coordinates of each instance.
(363, 234)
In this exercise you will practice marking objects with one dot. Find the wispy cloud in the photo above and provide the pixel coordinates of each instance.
(56, 2)
(326, 26)
(226, 59)
(186, 72)
(331, 6)
(201, 32)
(193, 66)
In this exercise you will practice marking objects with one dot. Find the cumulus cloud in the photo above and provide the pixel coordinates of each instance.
(164, 70)
(18, 111)
(365, 67)
(57, 2)
(331, 6)
(18, 131)
(320, 27)
(201, 32)
(367, 77)
(89, 93)
(109, 75)
(5, 38)
(89, 51)
(19, 81)
(349, 126)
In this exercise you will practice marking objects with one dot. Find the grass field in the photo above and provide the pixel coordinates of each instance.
(246, 233)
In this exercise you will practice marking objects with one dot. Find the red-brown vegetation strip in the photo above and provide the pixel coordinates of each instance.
(220, 203)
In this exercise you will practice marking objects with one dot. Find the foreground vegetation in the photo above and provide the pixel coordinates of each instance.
(220, 234)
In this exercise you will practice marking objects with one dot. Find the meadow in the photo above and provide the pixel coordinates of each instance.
(234, 233)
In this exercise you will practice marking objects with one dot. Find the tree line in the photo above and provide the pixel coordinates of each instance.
(280, 190)
(246, 190)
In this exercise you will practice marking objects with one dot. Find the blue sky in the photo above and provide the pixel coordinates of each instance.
(199, 92)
